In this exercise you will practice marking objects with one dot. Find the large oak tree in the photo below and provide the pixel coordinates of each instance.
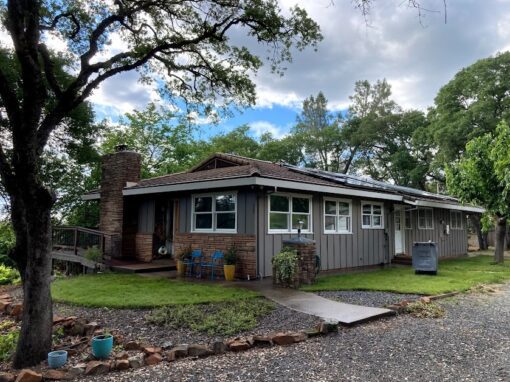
(182, 45)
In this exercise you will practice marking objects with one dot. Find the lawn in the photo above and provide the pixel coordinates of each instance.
(133, 291)
(453, 275)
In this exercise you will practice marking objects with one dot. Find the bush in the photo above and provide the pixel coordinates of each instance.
(285, 265)
(231, 256)
(8, 343)
(93, 254)
(9, 275)
(214, 319)
(7, 242)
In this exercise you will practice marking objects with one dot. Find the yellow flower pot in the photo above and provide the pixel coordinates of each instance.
(181, 268)
(230, 271)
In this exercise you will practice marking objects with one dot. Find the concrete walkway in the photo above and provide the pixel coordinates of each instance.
(310, 303)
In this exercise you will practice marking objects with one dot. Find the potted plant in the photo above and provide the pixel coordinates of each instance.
(229, 266)
(102, 346)
(57, 359)
(184, 255)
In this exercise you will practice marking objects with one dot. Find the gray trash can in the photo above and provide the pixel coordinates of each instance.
(425, 258)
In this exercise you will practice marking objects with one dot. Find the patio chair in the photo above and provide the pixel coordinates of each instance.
(193, 263)
(216, 261)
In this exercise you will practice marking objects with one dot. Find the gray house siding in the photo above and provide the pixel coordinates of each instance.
(362, 247)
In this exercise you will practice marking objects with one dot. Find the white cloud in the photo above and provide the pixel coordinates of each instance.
(258, 128)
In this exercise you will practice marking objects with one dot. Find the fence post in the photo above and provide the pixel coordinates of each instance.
(76, 241)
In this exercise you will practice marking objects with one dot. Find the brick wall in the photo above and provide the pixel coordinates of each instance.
(144, 247)
(208, 243)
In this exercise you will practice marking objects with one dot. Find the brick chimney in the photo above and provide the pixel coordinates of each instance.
(116, 170)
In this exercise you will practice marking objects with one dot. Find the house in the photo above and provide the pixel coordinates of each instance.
(231, 200)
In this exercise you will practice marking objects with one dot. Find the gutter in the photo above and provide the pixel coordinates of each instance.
(432, 204)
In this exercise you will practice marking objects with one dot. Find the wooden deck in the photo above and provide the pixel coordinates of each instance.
(133, 266)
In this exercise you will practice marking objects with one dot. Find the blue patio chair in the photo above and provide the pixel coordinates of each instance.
(193, 263)
(216, 261)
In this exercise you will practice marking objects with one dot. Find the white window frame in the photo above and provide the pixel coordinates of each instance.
(371, 226)
(290, 213)
(460, 219)
(432, 218)
(406, 213)
(214, 213)
(337, 231)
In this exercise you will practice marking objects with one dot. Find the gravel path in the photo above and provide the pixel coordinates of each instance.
(471, 343)
(131, 323)
(374, 299)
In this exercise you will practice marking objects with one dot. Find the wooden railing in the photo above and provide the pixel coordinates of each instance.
(77, 240)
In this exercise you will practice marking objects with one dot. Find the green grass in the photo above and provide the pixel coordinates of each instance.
(226, 318)
(453, 275)
(133, 291)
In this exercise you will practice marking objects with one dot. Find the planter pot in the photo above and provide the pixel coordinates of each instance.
(230, 271)
(181, 268)
(102, 346)
(57, 359)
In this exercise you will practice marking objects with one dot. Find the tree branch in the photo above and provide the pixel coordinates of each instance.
(68, 15)
(10, 100)
(49, 70)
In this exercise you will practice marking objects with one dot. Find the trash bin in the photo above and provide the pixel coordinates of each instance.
(425, 258)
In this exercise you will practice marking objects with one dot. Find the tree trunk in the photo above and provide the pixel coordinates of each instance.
(483, 242)
(32, 225)
(507, 245)
(499, 253)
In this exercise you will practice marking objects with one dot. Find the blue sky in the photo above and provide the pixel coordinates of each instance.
(416, 56)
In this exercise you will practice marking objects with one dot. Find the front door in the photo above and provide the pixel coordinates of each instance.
(399, 230)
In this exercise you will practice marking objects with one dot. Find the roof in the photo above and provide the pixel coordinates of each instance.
(228, 170)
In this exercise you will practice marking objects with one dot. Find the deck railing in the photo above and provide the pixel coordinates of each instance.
(78, 239)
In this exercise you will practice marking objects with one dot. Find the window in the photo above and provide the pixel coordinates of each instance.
(456, 219)
(408, 223)
(425, 218)
(337, 216)
(285, 211)
(372, 215)
(214, 213)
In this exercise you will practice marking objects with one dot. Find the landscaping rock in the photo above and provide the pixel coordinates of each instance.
(90, 328)
(312, 332)
(299, 337)
(151, 350)
(59, 320)
(167, 345)
(7, 377)
(328, 327)
(132, 345)
(136, 361)
(178, 352)
(78, 369)
(199, 351)
(239, 345)
(97, 368)
(27, 375)
(262, 340)
(122, 364)
(282, 339)
(4, 305)
(5, 296)
(122, 355)
(16, 310)
(56, 375)
(219, 347)
(425, 299)
(77, 328)
(153, 359)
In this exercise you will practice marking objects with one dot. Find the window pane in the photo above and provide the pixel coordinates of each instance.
(367, 208)
(343, 208)
(329, 223)
(203, 204)
(303, 218)
(366, 220)
(377, 210)
(226, 221)
(203, 221)
(421, 222)
(344, 223)
(330, 207)
(300, 205)
(279, 203)
(278, 221)
(225, 203)
(377, 221)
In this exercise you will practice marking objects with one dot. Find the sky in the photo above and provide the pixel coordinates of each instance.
(417, 55)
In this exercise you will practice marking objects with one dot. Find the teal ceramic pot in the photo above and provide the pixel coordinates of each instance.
(57, 359)
(102, 346)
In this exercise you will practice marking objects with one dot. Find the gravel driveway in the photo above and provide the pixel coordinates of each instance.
(471, 343)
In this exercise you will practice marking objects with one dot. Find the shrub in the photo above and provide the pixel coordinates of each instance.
(8, 345)
(231, 256)
(9, 275)
(285, 265)
(93, 254)
(7, 242)
(214, 319)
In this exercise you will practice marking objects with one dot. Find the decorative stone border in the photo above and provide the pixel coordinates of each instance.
(400, 307)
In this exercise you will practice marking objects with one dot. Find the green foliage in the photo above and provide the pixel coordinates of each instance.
(93, 254)
(7, 243)
(453, 275)
(8, 343)
(214, 319)
(133, 291)
(9, 275)
(425, 310)
(231, 256)
(285, 265)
